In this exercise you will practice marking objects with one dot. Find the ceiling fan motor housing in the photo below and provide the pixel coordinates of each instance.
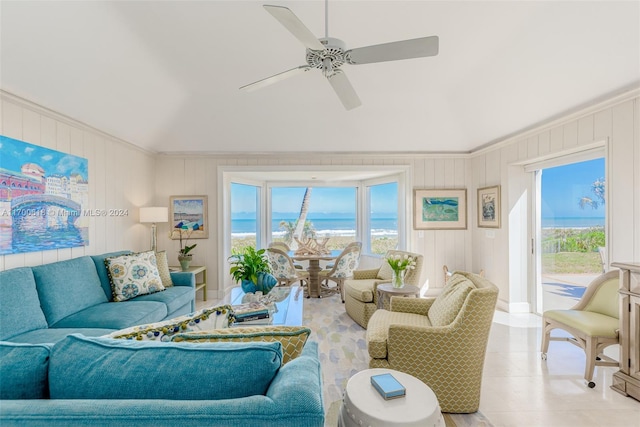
(334, 51)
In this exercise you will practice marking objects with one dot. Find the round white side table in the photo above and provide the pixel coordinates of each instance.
(362, 405)
(386, 291)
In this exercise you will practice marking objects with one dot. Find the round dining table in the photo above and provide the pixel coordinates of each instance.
(313, 269)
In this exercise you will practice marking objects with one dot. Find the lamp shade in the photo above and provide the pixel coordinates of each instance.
(154, 214)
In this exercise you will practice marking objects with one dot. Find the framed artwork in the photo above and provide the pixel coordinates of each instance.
(44, 199)
(489, 207)
(440, 209)
(189, 213)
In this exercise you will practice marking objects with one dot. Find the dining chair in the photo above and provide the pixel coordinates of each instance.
(358, 244)
(283, 269)
(284, 247)
(342, 269)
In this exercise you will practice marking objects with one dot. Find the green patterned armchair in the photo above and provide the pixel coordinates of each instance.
(442, 341)
(361, 296)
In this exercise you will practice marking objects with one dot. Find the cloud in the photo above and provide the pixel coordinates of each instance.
(46, 157)
(29, 150)
(71, 164)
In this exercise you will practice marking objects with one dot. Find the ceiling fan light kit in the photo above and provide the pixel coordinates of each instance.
(329, 54)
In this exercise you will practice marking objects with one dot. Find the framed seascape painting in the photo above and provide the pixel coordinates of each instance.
(440, 209)
(189, 215)
(489, 207)
(44, 198)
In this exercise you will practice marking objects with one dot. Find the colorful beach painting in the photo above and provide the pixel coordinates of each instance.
(440, 209)
(43, 195)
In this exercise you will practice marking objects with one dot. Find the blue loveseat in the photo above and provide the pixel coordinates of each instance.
(44, 304)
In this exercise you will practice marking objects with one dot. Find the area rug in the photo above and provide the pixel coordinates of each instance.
(343, 353)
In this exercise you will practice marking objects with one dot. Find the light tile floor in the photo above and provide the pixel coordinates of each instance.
(520, 389)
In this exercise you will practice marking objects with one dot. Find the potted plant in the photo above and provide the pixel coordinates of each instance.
(251, 269)
(184, 254)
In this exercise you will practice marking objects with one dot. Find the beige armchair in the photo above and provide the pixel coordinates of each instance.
(360, 292)
(442, 341)
(592, 322)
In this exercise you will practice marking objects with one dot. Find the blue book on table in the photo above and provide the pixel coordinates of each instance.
(388, 386)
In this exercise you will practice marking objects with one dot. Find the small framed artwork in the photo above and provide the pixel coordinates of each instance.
(489, 207)
(440, 209)
(189, 214)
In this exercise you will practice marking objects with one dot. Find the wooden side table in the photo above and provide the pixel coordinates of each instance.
(196, 269)
(386, 291)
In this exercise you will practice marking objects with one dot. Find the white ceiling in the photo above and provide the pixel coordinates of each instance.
(164, 75)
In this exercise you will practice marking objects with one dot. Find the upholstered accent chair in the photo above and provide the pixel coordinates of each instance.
(342, 269)
(360, 292)
(593, 323)
(442, 341)
(283, 269)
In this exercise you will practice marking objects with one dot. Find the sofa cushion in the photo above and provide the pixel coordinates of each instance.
(101, 268)
(19, 304)
(53, 335)
(292, 338)
(202, 320)
(133, 275)
(174, 298)
(23, 371)
(66, 287)
(103, 368)
(447, 305)
(111, 315)
(163, 269)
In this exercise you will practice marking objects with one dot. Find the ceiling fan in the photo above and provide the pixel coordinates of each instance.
(329, 54)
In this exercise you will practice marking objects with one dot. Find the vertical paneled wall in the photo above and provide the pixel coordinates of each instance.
(186, 175)
(504, 253)
(120, 177)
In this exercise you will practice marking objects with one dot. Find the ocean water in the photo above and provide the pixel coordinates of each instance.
(325, 226)
(572, 222)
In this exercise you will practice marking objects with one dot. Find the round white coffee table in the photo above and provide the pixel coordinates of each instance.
(362, 405)
(386, 291)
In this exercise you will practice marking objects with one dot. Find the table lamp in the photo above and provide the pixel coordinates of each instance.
(154, 215)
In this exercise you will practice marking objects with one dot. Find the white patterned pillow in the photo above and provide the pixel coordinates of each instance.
(447, 305)
(133, 275)
(207, 319)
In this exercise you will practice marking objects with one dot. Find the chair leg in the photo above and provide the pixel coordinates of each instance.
(546, 332)
(591, 354)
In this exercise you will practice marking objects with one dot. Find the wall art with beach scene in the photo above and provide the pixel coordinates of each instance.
(440, 209)
(43, 195)
(189, 214)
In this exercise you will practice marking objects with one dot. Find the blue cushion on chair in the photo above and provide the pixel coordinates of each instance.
(105, 368)
(66, 287)
(23, 371)
(19, 304)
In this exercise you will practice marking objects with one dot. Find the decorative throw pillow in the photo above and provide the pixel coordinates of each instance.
(163, 269)
(202, 320)
(447, 305)
(385, 272)
(133, 275)
(292, 338)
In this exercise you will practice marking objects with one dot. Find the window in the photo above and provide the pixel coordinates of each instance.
(245, 215)
(328, 212)
(382, 219)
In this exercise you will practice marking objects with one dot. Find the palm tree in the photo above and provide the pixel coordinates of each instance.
(597, 188)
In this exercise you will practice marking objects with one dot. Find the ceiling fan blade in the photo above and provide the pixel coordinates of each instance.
(394, 51)
(342, 87)
(295, 26)
(275, 78)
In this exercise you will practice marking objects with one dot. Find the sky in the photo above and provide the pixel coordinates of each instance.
(14, 154)
(323, 199)
(563, 186)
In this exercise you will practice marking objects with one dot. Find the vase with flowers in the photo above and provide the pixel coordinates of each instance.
(184, 254)
(400, 264)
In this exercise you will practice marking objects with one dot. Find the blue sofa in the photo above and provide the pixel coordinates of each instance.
(56, 368)
(44, 304)
(102, 381)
